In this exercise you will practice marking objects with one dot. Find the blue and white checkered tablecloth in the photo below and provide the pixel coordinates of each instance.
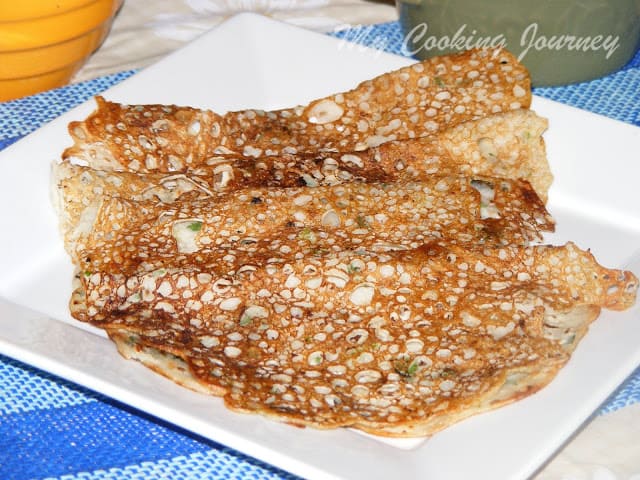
(51, 429)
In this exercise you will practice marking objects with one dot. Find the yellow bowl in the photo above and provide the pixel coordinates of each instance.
(12, 11)
(40, 50)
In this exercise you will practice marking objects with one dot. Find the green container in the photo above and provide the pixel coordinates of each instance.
(559, 41)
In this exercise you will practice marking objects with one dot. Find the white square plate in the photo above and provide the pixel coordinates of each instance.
(251, 61)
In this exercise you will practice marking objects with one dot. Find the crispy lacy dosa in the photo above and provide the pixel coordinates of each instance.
(506, 145)
(411, 102)
(400, 343)
(126, 234)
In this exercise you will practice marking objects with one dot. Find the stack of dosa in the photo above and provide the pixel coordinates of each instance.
(367, 260)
